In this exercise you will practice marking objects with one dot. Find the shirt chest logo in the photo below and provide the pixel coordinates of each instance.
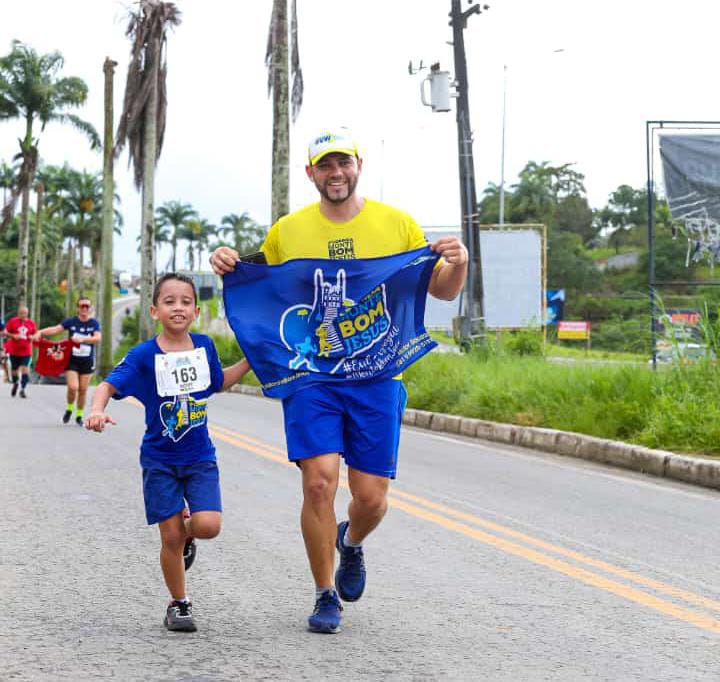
(181, 415)
(341, 249)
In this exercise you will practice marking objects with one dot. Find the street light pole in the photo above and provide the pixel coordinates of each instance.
(501, 219)
(468, 197)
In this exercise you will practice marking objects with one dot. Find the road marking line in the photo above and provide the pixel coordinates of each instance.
(585, 576)
(588, 577)
(677, 592)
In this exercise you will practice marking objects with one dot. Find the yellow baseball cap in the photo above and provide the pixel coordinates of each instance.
(331, 140)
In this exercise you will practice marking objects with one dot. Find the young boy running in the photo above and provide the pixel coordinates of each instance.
(173, 375)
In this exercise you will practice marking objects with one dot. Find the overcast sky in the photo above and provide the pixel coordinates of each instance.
(623, 62)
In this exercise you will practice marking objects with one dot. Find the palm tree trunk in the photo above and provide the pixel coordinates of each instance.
(147, 241)
(34, 312)
(70, 278)
(174, 249)
(105, 276)
(281, 122)
(23, 249)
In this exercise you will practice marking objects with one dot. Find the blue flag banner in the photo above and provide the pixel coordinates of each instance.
(311, 320)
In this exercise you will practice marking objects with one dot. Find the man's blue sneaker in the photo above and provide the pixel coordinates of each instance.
(350, 575)
(326, 616)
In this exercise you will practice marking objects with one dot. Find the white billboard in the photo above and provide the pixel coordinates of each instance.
(512, 277)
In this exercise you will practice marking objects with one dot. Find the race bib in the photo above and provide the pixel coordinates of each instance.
(82, 351)
(182, 372)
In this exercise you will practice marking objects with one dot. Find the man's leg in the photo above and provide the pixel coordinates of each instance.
(14, 371)
(320, 480)
(368, 504)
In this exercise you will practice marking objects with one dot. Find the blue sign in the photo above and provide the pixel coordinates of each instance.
(555, 305)
(311, 320)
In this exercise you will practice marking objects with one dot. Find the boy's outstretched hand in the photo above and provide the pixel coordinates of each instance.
(97, 420)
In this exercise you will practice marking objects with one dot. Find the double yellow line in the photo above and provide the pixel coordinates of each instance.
(547, 554)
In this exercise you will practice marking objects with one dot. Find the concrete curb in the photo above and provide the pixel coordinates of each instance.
(686, 468)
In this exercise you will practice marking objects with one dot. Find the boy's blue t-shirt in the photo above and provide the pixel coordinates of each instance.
(175, 428)
(75, 325)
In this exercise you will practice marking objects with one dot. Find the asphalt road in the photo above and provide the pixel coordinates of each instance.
(494, 563)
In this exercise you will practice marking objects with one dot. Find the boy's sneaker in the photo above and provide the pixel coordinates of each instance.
(66, 416)
(189, 552)
(326, 616)
(14, 390)
(350, 575)
(179, 617)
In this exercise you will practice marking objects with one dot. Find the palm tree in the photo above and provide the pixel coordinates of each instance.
(7, 179)
(196, 232)
(142, 125)
(276, 60)
(245, 234)
(75, 199)
(174, 214)
(31, 90)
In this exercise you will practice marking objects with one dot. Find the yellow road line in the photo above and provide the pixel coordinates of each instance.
(689, 597)
(588, 577)
(426, 513)
(585, 576)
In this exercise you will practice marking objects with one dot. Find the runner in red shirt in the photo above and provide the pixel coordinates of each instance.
(19, 331)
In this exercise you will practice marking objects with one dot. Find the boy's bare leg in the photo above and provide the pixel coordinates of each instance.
(172, 536)
(319, 527)
(203, 525)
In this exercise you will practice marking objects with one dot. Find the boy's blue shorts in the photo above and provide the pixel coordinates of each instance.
(166, 487)
(359, 420)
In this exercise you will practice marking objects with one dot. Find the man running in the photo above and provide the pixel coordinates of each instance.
(19, 331)
(324, 421)
(86, 331)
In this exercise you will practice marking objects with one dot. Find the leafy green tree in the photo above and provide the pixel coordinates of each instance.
(625, 211)
(573, 214)
(31, 90)
(8, 175)
(174, 215)
(245, 235)
(569, 266)
(197, 233)
(540, 188)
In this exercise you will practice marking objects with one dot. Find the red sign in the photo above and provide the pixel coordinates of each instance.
(573, 330)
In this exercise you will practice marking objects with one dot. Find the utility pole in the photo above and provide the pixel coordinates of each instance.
(468, 197)
(106, 259)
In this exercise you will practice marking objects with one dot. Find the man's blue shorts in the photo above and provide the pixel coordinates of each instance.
(360, 420)
(166, 487)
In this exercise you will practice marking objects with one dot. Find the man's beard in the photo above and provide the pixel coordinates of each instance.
(351, 185)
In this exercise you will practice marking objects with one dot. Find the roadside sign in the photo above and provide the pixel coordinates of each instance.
(579, 331)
